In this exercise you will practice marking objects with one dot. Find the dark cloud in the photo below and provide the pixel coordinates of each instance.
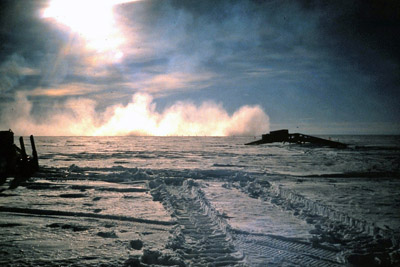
(335, 60)
(332, 61)
(22, 32)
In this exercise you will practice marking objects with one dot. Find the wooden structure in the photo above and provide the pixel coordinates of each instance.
(297, 138)
(14, 162)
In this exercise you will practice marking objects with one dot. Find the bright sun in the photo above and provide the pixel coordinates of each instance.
(93, 20)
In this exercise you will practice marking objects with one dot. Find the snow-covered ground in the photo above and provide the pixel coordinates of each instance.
(79, 222)
(145, 201)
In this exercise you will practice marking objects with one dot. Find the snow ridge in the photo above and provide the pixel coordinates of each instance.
(315, 208)
(359, 242)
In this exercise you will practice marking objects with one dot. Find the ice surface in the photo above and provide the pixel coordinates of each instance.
(200, 200)
(252, 215)
(366, 154)
(369, 204)
(79, 222)
(88, 196)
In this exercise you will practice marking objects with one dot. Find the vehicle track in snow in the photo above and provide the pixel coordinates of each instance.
(197, 238)
(204, 238)
(275, 251)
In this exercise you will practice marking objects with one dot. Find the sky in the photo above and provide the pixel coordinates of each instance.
(189, 67)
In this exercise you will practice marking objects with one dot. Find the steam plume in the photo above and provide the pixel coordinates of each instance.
(139, 117)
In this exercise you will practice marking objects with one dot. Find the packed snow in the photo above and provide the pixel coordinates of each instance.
(205, 201)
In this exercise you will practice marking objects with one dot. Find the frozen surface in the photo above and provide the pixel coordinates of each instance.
(254, 215)
(78, 222)
(88, 196)
(377, 154)
(183, 200)
(375, 201)
(38, 240)
(265, 234)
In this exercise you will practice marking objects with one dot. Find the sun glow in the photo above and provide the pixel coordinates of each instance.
(92, 20)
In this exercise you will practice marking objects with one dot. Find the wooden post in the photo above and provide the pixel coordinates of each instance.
(34, 154)
(23, 151)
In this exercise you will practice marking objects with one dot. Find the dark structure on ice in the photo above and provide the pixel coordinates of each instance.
(14, 162)
(297, 138)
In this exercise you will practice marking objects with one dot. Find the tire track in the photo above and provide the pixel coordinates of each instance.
(203, 237)
(197, 238)
(265, 249)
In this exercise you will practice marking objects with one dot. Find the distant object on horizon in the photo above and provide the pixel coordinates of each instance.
(298, 138)
(14, 162)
